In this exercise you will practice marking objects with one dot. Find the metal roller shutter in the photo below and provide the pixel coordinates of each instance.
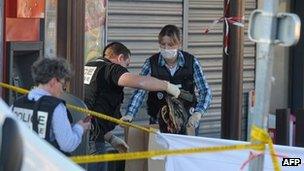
(136, 23)
(209, 49)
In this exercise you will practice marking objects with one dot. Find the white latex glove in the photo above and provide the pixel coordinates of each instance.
(127, 118)
(119, 144)
(173, 90)
(194, 120)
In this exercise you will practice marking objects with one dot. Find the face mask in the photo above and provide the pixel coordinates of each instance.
(168, 53)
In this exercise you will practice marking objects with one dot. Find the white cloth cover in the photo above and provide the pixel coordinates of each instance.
(228, 160)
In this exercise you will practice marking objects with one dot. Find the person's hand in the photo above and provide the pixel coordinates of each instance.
(119, 144)
(173, 90)
(85, 125)
(127, 118)
(194, 120)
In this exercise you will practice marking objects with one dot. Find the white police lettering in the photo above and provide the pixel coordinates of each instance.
(88, 73)
(24, 115)
(42, 123)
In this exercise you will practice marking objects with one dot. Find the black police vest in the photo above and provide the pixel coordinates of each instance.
(99, 96)
(183, 77)
(38, 115)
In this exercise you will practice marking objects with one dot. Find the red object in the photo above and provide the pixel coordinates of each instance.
(236, 20)
(272, 134)
(11, 8)
(30, 8)
(25, 8)
(253, 155)
(87, 119)
(22, 29)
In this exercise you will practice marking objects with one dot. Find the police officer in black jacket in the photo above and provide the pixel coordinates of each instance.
(43, 111)
(104, 80)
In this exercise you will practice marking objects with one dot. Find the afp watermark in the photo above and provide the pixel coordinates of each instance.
(291, 162)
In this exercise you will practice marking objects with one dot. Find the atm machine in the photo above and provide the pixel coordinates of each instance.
(21, 56)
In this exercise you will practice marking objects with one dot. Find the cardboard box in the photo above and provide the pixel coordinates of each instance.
(142, 141)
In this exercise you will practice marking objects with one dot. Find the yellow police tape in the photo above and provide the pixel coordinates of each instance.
(154, 153)
(257, 134)
(111, 119)
(86, 111)
(262, 136)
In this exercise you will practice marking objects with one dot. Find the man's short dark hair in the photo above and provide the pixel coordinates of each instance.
(114, 49)
(44, 69)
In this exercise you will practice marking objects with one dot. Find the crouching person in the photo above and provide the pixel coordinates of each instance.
(43, 111)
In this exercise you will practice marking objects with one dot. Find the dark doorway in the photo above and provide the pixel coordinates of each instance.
(21, 56)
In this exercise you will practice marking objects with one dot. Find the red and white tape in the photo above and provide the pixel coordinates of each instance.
(237, 21)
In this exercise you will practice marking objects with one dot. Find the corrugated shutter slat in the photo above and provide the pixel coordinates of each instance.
(137, 23)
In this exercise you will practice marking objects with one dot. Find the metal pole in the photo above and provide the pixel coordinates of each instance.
(232, 83)
(62, 27)
(1, 42)
(185, 24)
(264, 65)
(76, 48)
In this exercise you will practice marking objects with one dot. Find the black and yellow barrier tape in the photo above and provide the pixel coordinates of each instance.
(257, 134)
(86, 111)
(262, 136)
(111, 119)
(155, 153)
(14, 88)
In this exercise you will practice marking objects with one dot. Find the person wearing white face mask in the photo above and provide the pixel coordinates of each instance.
(168, 53)
(179, 68)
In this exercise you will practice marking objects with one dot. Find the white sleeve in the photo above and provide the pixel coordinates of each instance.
(68, 137)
